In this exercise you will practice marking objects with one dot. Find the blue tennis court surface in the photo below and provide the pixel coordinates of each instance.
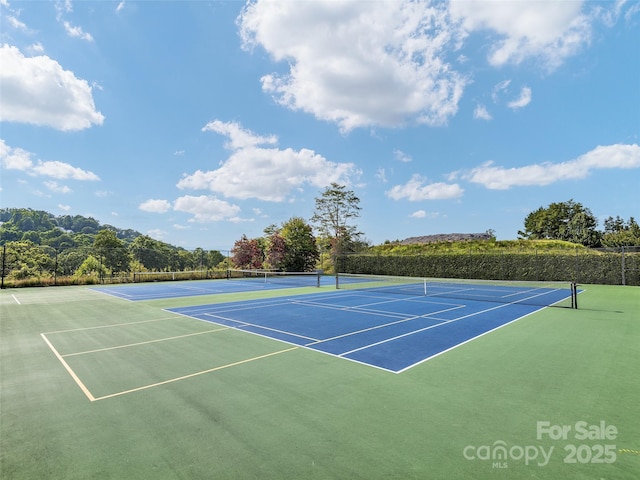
(153, 291)
(387, 331)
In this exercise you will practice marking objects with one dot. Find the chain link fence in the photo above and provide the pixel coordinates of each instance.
(27, 264)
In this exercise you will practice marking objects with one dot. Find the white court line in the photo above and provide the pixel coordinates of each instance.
(191, 375)
(247, 324)
(16, 299)
(423, 329)
(426, 316)
(82, 386)
(466, 341)
(144, 343)
(112, 325)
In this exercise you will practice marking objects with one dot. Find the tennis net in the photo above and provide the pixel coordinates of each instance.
(562, 294)
(293, 279)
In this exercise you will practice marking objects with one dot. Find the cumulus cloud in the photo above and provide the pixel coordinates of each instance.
(416, 190)
(62, 170)
(206, 208)
(528, 29)
(602, 157)
(37, 90)
(359, 64)
(19, 159)
(155, 206)
(254, 170)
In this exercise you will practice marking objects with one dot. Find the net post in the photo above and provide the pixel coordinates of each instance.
(574, 295)
(425, 287)
(337, 281)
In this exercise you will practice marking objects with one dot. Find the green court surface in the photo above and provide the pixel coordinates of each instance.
(96, 387)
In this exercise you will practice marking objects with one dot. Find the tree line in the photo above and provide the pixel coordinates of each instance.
(571, 221)
(41, 243)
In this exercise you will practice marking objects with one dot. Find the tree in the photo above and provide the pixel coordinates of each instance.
(569, 221)
(214, 258)
(335, 210)
(91, 266)
(301, 250)
(112, 250)
(276, 250)
(618, 233)
(246, 253)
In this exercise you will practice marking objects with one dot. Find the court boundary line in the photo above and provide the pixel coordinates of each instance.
(69, 370)
(254, 325)
(137, 344)
(93, 398)
(110, 325)
(191, 375)
(467, 341)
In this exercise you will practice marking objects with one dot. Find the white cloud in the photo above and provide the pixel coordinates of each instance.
(155, 206)
(523, 100)
(77, 32)
(270, 174)
(381, 175)
(36, 48)
(603, 157)
(547, 31)
(239, 137)
(64, 208)
(14, 158)
(499, 89)
(416, 190)
(424, 214)
(206, 208)
(37, 90)
(359, 64)
(10, 15)
(62, 9)
(56, 187)
(481, 113)
(62, 170)
(19, 159)
(401, 156)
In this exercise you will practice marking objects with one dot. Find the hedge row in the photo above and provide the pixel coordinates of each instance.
(598, 268)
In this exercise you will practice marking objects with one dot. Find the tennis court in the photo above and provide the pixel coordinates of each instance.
(255, 281)
(390, 331)
(333, 385)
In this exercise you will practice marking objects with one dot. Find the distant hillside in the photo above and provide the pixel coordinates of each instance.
(44, 228)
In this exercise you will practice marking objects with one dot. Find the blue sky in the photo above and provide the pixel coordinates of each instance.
(198, 122)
